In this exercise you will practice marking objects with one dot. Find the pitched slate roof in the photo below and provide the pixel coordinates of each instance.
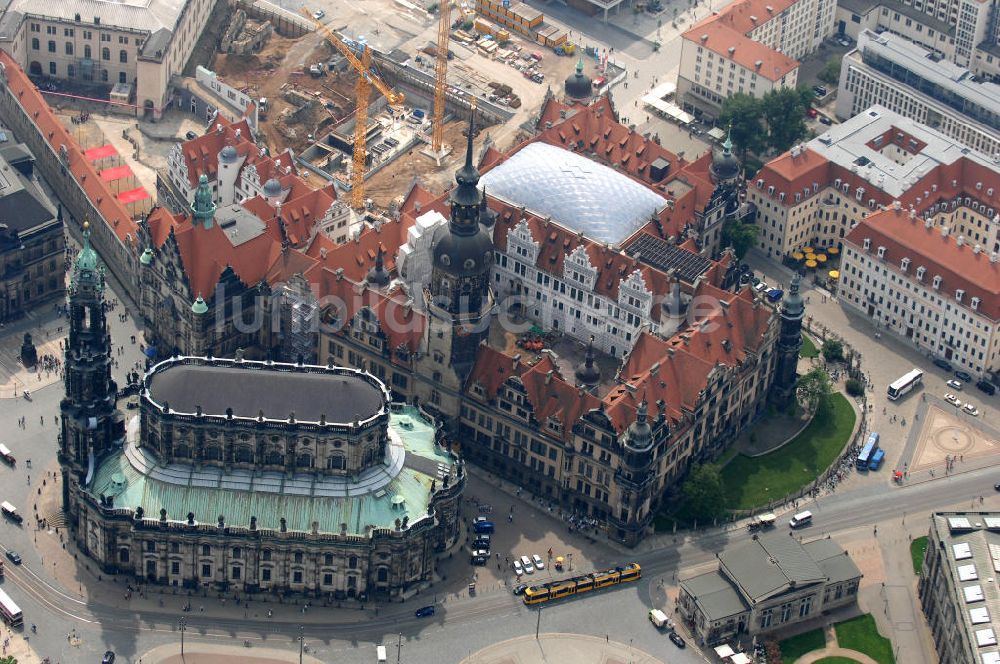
(769, 565)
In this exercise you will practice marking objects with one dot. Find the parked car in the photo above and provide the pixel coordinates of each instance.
(518, 570)
(520, 588)
(954, 384)
(537, 559)
(482, 526)
(318, 14)
(970, 409)
(942, 363)
(987, 387)
(109, 657)
(963, 376)
(424, 612)
(190, 136)
(953, 400)
(761, 287)
(825, 120)
(482, 542)
(819, 90)
(677, 640)
(14, 557)
(775, 294)
(811, 112)
(526, 564)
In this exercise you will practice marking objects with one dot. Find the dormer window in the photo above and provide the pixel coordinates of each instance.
(920, 273)
(881, 252)
(975, 304)
(937, 282)
(868, 244)
(904, 264)
(959, 294)
(770, 190)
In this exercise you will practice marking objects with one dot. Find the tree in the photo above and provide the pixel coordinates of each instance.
(831, 71)
(703, 494)
(813, 388)
(784, 111)
(739, 236)
(833, 350)
(742, 114)
(854, 387)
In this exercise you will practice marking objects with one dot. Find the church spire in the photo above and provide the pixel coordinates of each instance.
(466, 198)
(203, 207)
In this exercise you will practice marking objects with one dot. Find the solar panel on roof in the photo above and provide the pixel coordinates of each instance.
(665, 256)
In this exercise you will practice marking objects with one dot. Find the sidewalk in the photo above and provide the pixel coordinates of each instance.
(203, 653)
(560, 648)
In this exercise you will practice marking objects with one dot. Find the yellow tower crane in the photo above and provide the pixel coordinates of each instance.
(441, 80)
(366, 79)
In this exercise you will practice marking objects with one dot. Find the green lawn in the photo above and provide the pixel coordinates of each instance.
(862, 635)
(796, 646)
(808, 348)
(918, 548)
(836, 660)
(753, 482)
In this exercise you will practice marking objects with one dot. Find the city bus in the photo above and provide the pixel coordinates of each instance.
(10, 611)
(905, 384)
(581, 584)
(876, 461)
(871, 446)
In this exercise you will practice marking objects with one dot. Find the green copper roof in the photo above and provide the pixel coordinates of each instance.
(86, 270)
(147, 256)
(208, 493)
(203, 207)
(87, 258)
(199, 307)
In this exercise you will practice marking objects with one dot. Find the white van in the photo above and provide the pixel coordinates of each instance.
(657, 617)
(801, 519)
(380, 655)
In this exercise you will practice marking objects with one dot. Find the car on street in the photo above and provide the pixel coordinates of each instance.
(537, 559)
(775, 294)
(811, 112)
(954, 384)
(14, 557)
(761, 287)
(819, 90)
(953, 400)
(677, 640)
(483, 526)
(987, 387)
(424, 612)
(482, 542)
(963, 376)
(109, 657)
(318, 14)
(825, 120)
(942, 363)
(520, 588)
(517, 568)
(526, 564)
(996, 487)
(190, 136)
(970, 409)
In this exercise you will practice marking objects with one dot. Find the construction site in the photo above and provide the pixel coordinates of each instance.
(311, 92)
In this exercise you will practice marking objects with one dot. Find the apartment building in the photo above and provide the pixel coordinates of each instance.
(955, 587)
(135, 44)
(750, 47)
(925, 281)
(814, 194)
(888, 70)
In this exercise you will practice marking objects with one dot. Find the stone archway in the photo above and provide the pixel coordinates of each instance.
(35, 68)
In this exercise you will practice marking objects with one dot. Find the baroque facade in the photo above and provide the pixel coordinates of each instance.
(282, 478)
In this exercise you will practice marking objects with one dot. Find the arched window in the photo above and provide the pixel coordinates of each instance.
(304, 461)
(275, 458)
(105, 53)
(335, 462)
(383, 574)
(213, 453)
(352, 562)
(182, 452)
(123, 56)
(244, 454)
(123, 555)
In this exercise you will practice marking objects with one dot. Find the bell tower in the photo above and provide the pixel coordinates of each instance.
(91, 423)
(789, 343)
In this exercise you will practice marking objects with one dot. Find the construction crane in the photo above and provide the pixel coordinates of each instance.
(441, 80)
(366, 79)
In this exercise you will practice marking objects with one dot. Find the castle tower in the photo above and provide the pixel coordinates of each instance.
(91, 423)
(461, 261)
(789, 342)
(203, 208)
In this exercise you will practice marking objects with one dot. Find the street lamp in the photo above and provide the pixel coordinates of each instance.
(183, 627)
(302, 642)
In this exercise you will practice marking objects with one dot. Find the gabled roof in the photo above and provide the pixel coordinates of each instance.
(58, 137)
(770, 565)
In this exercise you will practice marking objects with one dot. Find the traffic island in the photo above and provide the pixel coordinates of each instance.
(204, 653)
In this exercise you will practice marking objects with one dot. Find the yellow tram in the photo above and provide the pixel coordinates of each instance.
(581, 584)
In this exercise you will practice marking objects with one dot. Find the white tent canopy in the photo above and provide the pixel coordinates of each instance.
(740, 658)
(724, 651)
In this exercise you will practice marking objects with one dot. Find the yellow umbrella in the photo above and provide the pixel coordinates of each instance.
(811, 264)
(810, 256)
(807, 250)
(797, 256)
(821, 258)
(835, 274)
(833, 251)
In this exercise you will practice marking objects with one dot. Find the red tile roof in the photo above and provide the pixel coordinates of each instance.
(726, 36)
(959, 267)
(112, 211)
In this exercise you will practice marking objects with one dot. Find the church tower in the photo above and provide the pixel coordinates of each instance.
(91, 423)
(461, 264)
(789, 342)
